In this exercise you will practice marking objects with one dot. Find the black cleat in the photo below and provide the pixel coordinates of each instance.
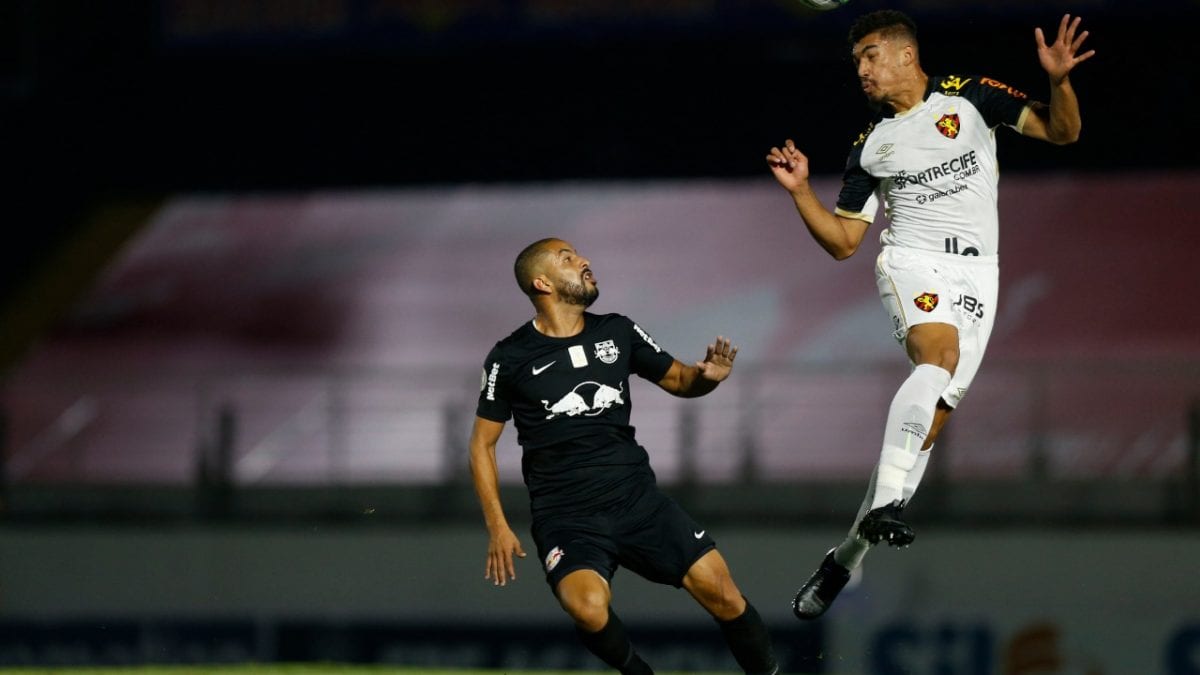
(884, 524)
(818, 593)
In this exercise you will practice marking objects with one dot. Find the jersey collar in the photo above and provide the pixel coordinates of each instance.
(885, 111)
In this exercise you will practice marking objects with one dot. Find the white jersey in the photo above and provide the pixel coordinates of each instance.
(934, 167)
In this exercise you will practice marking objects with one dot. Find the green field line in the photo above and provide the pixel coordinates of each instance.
(300, 669)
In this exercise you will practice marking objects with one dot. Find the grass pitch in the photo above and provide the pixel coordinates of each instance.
(298, 669)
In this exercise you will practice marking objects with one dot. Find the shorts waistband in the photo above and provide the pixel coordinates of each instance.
(942, 257)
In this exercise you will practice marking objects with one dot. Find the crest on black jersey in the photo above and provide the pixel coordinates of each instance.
(607, 351)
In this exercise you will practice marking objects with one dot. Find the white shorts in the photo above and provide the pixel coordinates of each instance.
(925, 287)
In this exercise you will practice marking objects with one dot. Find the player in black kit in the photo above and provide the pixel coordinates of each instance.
(564, 380)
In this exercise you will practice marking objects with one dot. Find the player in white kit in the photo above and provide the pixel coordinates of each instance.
(929, 158)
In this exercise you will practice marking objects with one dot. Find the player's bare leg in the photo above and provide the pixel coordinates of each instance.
(586, 597)
(711, 584)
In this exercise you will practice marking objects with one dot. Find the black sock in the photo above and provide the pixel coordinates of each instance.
(750, 642)
(611, 644)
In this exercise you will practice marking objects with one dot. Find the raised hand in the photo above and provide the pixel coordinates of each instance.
(789, 166)
(1059, 58)
(718, 360)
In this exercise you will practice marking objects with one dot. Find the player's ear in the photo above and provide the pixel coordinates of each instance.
(541, 285)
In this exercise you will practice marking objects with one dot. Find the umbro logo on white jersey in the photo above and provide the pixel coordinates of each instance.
(538, 371)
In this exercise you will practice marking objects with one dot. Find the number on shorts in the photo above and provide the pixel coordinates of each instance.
(952, 247)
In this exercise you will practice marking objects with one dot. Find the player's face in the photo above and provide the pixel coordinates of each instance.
(572, 275)
(878, 61)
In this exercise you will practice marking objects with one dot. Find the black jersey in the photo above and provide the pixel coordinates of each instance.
(569, 399)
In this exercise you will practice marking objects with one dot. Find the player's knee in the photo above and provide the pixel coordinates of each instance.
(588, 607)
(934, 344)
(727, 603)
(947, 358)
(944, 356)
(720, 596)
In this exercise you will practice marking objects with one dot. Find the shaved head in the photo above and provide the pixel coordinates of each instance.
(528, 263)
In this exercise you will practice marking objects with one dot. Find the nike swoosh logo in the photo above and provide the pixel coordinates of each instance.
(538, 371)
(699, 534)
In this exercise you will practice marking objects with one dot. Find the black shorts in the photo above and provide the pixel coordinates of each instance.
(649, 534)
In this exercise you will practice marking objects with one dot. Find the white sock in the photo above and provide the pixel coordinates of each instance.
(850, 552)
(913, 479)
(909, 419)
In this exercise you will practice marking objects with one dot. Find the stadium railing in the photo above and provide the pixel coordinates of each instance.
(1080, 441)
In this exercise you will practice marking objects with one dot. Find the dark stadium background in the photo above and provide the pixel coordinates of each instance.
(138, 101)
(103, 100)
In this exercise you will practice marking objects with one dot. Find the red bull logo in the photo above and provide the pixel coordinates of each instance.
(948, 125)
(926, 302)
(607, 351)
(602, 397)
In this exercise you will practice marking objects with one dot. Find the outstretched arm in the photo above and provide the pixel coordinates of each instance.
(698, 380)
(502, 542)
(1060, 122)
(839, 236)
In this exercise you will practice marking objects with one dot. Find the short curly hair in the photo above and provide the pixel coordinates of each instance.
(889, 22)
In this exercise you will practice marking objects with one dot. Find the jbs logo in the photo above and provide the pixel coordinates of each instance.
(970, 305)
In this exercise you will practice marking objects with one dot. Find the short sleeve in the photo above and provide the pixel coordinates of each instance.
(857, 198)
(996, 101)
(647, 359)
(494, 403)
